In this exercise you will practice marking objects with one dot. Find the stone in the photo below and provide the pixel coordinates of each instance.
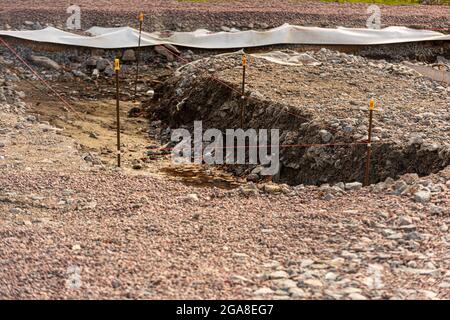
(325, 136)
(280, 274)
(422, 196)
(102, 64)
(353, 186)
(328, 197)
(331, 276)
(238, 278)
(263, 291)
(316, 283)
(349, 255)
(296, 292)
(383, 214)
(137, 166)
(436, 210)
(272, 188)
(129, 55)
(306, 263)
(285, 284)
(76, 247)
(357, 296)
(45, 62)
(249, 189)
(239, 255)
(429, 294)
(336, 262)
(415, 139)
(15, 210)
(192, 197)
(414, 235)
(164, 51)
(109, 72)
(115, 283)
(404, 221)
(79, 74)
(340, 185)
(92, 61)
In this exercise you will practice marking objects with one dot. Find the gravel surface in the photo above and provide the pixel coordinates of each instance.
(71, 228)
(335, 88)
(175, 15)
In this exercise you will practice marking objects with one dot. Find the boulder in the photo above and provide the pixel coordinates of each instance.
(167, 51)
(129, 55)
(45, 62)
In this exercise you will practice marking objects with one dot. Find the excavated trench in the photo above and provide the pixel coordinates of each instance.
(178, 102)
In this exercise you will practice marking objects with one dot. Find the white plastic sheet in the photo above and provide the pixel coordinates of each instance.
(116, 38)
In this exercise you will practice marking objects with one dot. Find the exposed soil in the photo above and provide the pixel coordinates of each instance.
(306, 104)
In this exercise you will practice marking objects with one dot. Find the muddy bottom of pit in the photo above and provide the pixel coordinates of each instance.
(93, 127)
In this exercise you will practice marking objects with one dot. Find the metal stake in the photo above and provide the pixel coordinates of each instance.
(141, 20)
(117, 69)
(369, 145)
(244, 66)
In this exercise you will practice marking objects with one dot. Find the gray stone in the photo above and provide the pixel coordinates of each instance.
(278, 275)
(109, 72)
(45, 62)
(325, 136)
(102, 64)
(285, 283)
(166, 52)
(404, 221)
(297, 292)
(129, 55)
(263, 291)
(422, 196)
(192, 197)
(357, 296)
(414, 235)
(353, 186)
(316, 283)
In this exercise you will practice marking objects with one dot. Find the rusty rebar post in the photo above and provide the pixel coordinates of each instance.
(117, 69)
(244, 67)
(138, 51)
(369, 144)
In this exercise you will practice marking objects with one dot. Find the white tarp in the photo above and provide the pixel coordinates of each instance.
(125, 37)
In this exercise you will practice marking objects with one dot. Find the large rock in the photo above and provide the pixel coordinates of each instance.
(422, 196)
(167, 51)
(129, 55)
(325, 136)
(45, 62)
(353, 186)
(102, 64)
